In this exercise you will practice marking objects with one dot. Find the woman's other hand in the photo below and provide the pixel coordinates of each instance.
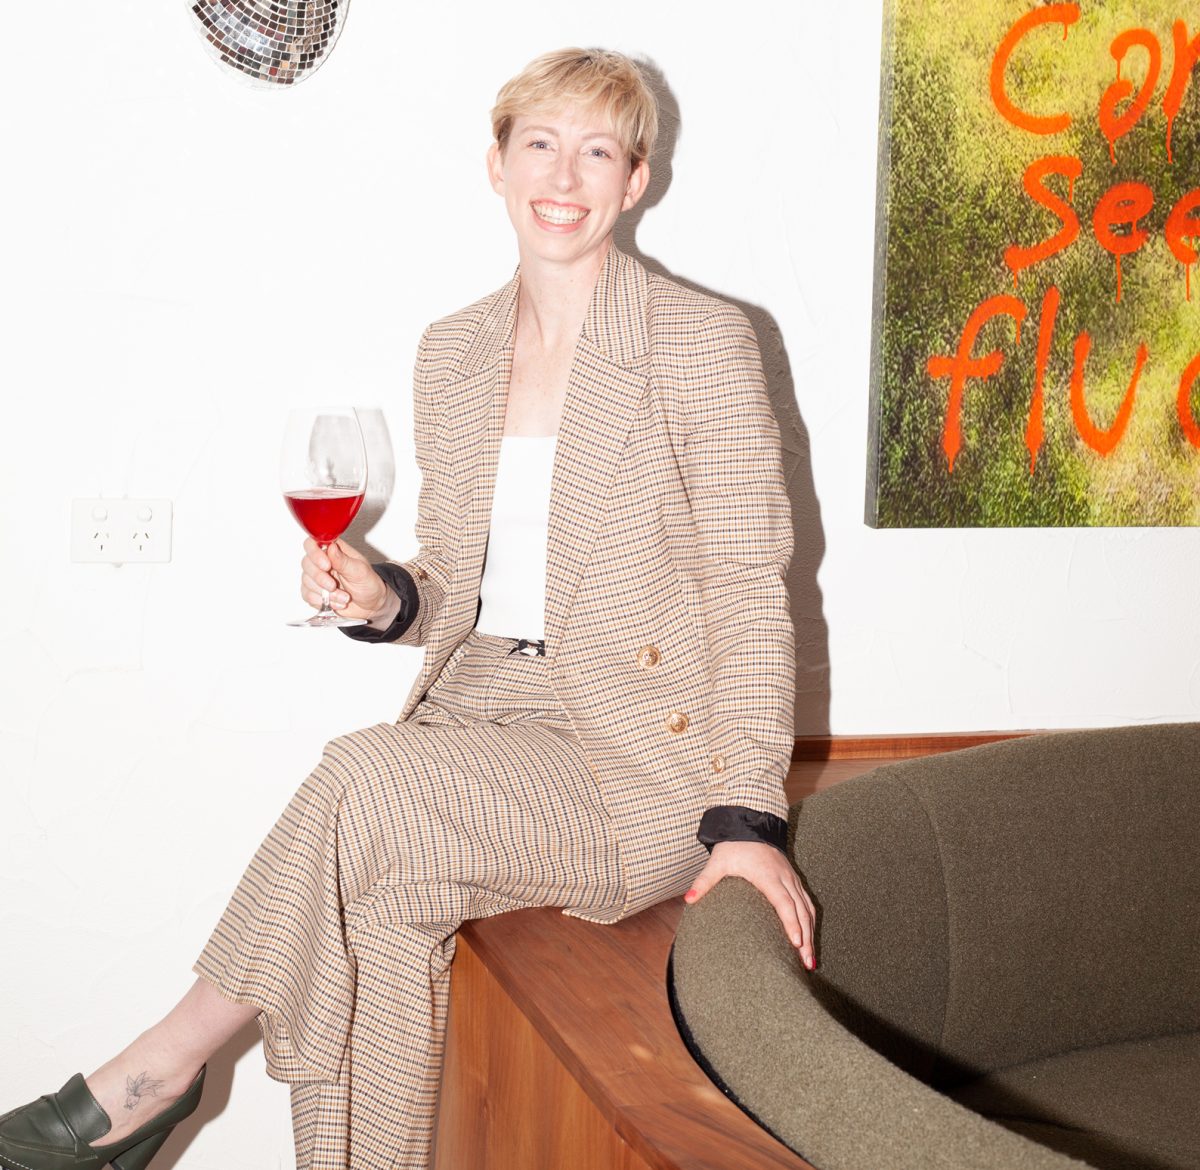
(769, 872)
(355, 589)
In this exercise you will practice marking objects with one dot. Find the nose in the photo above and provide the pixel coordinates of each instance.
(566, 171)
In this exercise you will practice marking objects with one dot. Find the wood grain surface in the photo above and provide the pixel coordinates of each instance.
(881, 748)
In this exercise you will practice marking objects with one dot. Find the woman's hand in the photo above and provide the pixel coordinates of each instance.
(769, 872)
(356, 591)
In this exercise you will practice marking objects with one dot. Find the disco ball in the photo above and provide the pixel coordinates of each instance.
(270, 42)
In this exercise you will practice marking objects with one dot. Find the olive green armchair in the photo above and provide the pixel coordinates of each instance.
(1009, 964)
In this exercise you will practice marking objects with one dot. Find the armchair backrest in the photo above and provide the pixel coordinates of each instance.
(991, 906)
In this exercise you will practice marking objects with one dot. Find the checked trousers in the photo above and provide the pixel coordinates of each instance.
(342, 929)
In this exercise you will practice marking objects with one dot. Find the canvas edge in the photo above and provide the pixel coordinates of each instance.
(879, 282)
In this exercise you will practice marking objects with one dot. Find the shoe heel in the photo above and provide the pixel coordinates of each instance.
(138, 1157)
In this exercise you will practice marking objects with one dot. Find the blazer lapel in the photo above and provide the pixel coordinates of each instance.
(477, 398)
(609, 378)
(483, 458)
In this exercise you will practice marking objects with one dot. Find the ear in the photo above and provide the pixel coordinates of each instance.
(635, 186)
(495, 168)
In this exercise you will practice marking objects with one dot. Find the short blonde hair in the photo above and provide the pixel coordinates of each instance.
(597, 79)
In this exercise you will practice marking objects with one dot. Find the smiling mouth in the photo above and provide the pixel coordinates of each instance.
(552, 213)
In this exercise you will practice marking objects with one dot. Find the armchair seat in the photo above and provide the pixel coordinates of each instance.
(1112, 1106)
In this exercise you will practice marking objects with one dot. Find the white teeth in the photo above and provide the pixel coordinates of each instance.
(558, 214)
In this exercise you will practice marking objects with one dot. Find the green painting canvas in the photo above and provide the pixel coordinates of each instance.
(1036, 334)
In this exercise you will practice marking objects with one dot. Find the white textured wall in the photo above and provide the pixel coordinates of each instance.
(185, 257)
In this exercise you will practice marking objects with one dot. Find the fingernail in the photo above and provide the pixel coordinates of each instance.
(689, 896)
(796, 940)
(809, 962)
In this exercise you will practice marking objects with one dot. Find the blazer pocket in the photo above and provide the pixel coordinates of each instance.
(449, 670)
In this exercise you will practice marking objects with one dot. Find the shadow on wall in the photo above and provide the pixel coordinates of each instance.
(218, 1084)
(812, 632)
(381, 482)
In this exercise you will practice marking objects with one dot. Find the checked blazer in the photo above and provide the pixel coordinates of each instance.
(667, 624)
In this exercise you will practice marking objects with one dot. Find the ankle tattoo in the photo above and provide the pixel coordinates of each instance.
(143, 1085)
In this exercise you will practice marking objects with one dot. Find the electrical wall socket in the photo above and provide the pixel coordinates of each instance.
(121, 532)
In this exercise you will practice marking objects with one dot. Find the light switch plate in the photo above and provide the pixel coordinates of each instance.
(121, 532)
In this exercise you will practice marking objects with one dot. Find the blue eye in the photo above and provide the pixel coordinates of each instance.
(600, 152)
(540, 142)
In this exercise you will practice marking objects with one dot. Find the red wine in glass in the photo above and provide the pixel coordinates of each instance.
(324, 513)
(323, 472)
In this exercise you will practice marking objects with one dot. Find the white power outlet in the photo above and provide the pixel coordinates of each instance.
(121, 532)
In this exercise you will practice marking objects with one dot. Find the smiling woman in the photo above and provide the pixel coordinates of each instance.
(573, 134)
(565, 178)
(619, 705)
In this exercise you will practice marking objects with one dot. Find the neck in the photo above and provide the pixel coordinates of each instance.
(554, 298)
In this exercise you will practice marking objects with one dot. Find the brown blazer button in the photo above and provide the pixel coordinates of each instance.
(677, 722)
(648, 656)
(419, 573)
(718, 763)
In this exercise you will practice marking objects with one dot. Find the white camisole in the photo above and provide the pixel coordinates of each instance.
(513, 589)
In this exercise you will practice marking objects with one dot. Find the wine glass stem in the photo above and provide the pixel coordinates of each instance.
(326, 609)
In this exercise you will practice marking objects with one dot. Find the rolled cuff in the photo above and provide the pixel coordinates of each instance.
(401, 583)
(732, 822)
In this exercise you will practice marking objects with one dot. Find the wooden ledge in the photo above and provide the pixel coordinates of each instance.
(562, 1053)
(881, 748)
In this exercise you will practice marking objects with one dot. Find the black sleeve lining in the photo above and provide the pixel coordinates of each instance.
(400, 582)
(731, 822)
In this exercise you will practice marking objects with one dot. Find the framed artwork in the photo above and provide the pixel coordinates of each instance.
(1036, 329)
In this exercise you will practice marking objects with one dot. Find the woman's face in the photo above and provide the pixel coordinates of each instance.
(565, 178)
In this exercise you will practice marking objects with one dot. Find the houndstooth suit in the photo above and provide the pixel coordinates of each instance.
(573, 780)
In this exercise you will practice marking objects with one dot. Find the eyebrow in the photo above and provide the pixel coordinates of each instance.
(589, 134)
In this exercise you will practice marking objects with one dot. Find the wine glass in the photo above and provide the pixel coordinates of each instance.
(323, 473)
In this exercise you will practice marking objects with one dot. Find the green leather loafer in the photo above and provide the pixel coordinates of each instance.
(58, 1131)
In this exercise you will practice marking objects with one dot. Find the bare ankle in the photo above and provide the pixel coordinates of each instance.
(142, 1086)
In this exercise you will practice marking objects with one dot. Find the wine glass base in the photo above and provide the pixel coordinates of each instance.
(319, 621)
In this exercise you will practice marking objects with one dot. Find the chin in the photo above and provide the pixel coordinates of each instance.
(565, 247)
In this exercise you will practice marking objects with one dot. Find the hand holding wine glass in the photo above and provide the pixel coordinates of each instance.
(355, 589)
(323, 472)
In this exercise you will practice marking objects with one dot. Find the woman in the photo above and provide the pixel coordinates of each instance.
(609, 661)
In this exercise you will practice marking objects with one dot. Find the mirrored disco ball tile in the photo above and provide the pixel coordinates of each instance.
(270, 42)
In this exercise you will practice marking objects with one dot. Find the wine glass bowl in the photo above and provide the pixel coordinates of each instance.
(324, 513)
(323, 473)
